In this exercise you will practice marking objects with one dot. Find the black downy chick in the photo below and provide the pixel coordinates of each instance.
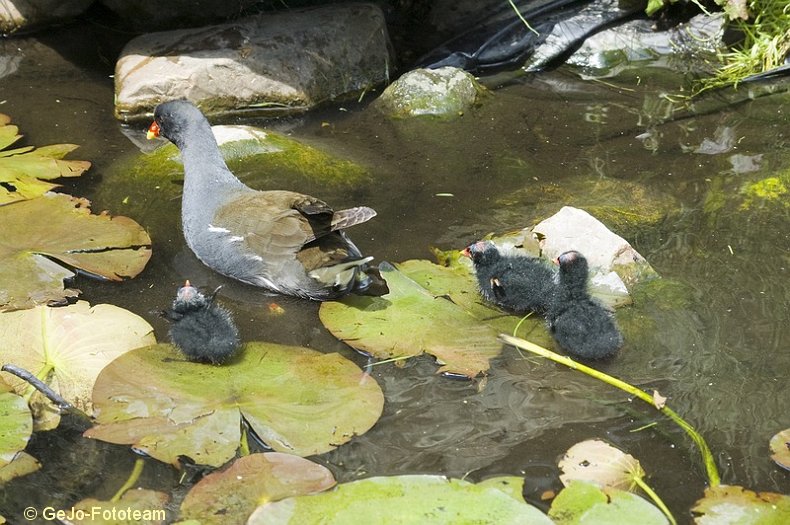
(579, 323)
(201, 329)
(516, 283)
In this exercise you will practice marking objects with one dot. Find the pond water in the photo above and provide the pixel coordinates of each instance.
(685, 187)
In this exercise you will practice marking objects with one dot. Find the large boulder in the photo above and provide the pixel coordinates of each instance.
(24, 15)
(270, 63)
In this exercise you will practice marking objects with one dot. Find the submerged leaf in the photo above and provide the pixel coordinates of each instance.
(419, 499)
(21, 168)
(229, 496)
(410, 320)
(733, 505)
(296, 400)
(59, 227)
(67, 348)
(135, 506)
(598, 462)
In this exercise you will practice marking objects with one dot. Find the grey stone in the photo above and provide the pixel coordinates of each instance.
(270, 63)
(24, 15)
(446, 91)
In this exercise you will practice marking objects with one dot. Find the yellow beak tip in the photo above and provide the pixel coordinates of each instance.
(150, 135)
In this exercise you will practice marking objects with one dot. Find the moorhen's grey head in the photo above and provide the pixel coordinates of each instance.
(174, 119)
(481, 252)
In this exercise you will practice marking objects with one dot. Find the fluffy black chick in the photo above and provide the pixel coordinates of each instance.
(579, 323)
(201, 329)
(516, 283)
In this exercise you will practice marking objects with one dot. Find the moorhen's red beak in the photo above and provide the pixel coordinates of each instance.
(466, 253)
(153, 131)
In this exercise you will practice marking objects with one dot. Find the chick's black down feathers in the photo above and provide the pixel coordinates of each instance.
(516, 283)
(579, 324)
(201, 329)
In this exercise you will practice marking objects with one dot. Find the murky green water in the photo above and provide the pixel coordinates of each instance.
(715, 340)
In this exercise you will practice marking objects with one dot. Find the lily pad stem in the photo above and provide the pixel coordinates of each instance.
(707, 456)
(39, 385)
(522, 17)
(139, 463)
(659, 503)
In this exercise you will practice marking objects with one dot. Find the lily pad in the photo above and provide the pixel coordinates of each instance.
(400, 500)
(57, 227)
(599, 462)
(733, 505)
(780, 446)
(16, 426)
(135, 506)
(22, 169)
(582, 503)
(410, 320)
(296, 400)
(67, 348)
(229, 496)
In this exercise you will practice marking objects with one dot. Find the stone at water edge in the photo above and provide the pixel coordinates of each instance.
(447, 91)
(284, 62)
(607, 253)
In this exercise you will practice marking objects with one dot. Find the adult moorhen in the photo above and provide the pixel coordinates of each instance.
(516, 283)
(201, 329)
(579, 324)
(283, 241)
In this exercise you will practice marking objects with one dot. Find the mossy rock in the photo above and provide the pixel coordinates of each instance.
(442, 92)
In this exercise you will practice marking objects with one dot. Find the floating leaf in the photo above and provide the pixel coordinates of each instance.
(402, 499)
(229, 496)
(410, 320)
(297, 400)
(586, 504)
(599, 462)
(67, 347)
(16, 425)
(733, 505)
(60, 227)
(780, 446)
(135, 506)
(21, 168)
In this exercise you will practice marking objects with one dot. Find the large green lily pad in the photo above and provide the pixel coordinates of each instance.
(733, 505)
(228, 497)
(67, 348)
(582, 503)
(16, 426)
(57, 227)
(410, 320)
(297, 400)
(400, 500)
(22, 169)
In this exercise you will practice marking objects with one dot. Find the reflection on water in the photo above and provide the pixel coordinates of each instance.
(715, 342)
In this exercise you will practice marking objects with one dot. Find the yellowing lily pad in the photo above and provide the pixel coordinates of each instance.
(410, 320)
(733, 505)
(598, 462)
(67, 348)
(583, 503)
(57, 227)
(16, 425)
(228, 497)
(780, 446)
(22, 169)
(400, 500)
(296, 400)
